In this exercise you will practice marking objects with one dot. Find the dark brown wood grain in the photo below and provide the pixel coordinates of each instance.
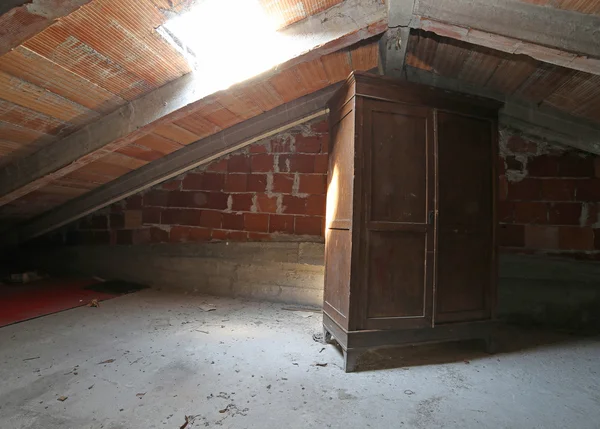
(410, 243)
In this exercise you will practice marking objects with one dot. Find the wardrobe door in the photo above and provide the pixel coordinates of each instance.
(398, 205)
(465, 263)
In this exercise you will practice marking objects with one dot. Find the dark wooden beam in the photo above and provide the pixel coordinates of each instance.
(187, 158)
(546, 33)
(545, 122)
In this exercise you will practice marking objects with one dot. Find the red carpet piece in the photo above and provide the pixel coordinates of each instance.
(19, 302)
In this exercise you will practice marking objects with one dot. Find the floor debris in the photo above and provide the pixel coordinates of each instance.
(106, 361)
(207, 307)
(93, 303)
(31, 358)
(198, 330)
(140, 395)
(320, 364)
(62, 398)
(409, 392)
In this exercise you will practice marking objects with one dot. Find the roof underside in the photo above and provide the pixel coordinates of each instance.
(107, 53)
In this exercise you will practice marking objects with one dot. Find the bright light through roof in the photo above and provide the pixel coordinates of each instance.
(229, 41)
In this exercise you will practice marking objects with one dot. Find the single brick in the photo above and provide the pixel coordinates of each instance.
(257, 222)
(241, 202)
(94, 222)
(564, 213)
(134, 202)
(511, 235)
(217, 201)
(308, 144)
(541, 237)
(203, 182)
(572, 165)
(158, 235)
(257, 182)
(325, 144)
(597, 239)
(294, 205)
(281, 145)
(517, 144)
(543, 166)
(259, 236)
(233, 221)
(188, 217)
(576, 238)
(321, 163)
(262, 163)
(171, 185)
(133, 219)
(315, 205)
(260, 147)
(505, 211)
(156, 198)
(188, 199)
(530, 212)
(588, 190)
(236, 183)
(219, 165)
(211, 218)
(281, 223)
(558, 189)
(308, 225)
(125, 236)
(297, 163)
(320, 127)
(266, 204)
(526, 189)
(117, 221)
(312, 184)
(219, 234)
(283, 183)
(239, 164)
(151, 215)
(237, 235)
(182, 234)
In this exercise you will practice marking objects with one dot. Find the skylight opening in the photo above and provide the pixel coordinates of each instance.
(226, 42)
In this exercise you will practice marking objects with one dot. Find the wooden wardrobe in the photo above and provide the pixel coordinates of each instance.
(411, 228)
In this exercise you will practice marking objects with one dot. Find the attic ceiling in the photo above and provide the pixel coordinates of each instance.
(73, 67)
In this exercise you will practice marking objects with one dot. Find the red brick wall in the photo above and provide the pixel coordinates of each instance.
(275, 190)
(549, 199)
(270, 190)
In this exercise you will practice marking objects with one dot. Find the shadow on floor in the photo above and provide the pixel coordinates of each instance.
(511, 340)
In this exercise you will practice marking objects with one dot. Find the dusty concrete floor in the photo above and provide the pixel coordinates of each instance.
(252, 365)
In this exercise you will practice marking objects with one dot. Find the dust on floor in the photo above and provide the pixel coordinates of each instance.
(164, 360)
